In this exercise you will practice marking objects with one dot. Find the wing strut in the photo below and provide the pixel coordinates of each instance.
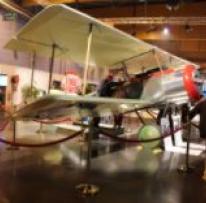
(135, 56)
(51, 66)
(160, 67)
(33, 64)
(89, 43)
(124, 68)
(158, 61)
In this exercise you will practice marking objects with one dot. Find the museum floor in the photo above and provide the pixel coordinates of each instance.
(124, 175)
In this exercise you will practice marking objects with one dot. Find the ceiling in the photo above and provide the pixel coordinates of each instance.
(91, 4)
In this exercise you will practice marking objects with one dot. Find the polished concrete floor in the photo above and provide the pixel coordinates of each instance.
(124, 175)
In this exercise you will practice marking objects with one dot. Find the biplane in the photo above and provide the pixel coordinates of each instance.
(60, 31)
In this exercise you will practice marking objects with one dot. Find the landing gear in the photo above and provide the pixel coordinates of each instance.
(118, 118)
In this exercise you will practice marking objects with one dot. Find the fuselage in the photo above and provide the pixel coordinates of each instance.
(173, 86)
(170, 85)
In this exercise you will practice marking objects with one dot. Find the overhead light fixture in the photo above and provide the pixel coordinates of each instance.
(166, 31)
(173, 5)
(188, 28)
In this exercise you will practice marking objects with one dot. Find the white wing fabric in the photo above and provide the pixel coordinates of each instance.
(68, 29)
(54, 106)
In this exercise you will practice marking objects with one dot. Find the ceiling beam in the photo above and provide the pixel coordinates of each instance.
(7, 4)
(155, 20)
(27, 3)
(152, 10)
(102, 3)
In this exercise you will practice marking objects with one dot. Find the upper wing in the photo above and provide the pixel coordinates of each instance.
(53, 106)
(68, 29)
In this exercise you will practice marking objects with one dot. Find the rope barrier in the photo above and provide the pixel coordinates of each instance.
(2, 128)
(6, 122)
(195, 125)
(151, 114)
(130, 140)
(53, 121)
(121, 139)
(3, 108)
(46, 144)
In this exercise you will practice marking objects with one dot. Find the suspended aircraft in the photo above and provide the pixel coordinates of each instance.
(60, 31)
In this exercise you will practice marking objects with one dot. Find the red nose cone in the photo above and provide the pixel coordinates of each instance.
(189, 84)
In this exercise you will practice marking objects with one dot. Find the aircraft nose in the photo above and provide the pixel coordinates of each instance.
(190, 85)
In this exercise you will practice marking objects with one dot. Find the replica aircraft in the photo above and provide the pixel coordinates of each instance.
(60, 31)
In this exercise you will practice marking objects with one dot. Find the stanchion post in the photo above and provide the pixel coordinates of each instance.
(88, 189)
(89, 147)
(13, 147)
(186, 168)
(40, 128)
(171, 125)
(14, 132)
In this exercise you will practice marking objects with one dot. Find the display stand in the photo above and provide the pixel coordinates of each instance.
(88, 189)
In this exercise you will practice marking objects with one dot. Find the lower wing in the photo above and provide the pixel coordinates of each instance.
(54, 106)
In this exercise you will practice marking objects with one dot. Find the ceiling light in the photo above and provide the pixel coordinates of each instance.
(188, 28)
(166, 31)
(173, 5)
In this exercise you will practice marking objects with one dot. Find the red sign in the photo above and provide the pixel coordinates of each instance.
(72, 84)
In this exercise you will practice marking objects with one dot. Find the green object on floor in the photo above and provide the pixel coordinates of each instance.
(148, 132)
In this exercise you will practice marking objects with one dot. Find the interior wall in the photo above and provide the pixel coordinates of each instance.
(17, 63)
(41, 79)
(8, 29)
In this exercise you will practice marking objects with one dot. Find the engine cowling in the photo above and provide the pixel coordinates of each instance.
(189, 83)
(176, 86)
